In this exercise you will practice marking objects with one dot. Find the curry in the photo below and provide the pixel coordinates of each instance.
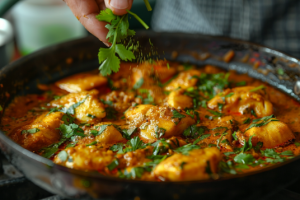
(158, 121)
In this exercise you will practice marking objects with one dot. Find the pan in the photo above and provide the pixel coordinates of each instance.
(56, 62)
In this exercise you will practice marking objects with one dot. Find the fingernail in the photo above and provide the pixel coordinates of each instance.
(119, 4)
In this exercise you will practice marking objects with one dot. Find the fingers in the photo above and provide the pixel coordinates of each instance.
(86, 11)
(119, 6)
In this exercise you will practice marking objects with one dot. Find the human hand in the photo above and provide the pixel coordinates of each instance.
(86, 11)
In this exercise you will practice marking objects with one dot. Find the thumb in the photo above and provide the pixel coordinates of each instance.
(119, 7)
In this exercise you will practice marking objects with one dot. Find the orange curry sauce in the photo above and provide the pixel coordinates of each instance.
(164, 122)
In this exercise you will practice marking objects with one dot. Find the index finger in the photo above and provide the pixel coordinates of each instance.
(85, 11)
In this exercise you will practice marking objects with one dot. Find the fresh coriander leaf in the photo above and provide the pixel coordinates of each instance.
(227, 167)
(49, 152)
(68, 119)
(253, 113)
(242, 166)
(257, 88)
(211, 145)
(271, 153)
(106, 15)
(135, 144)
(111, 113)
(194, 131)
(113, 165)
(229, 153)
(215, 113)
(57, 97)
(72, 144)
(91, 116)
(30, 131)
(186, 148)
(160, 146)
(244, 158)
(182, 165)
(71, 109)
(220, 106)
(128, 132)
(276, 160)
(138, 84)
(159, 132)
(176, 114)
(297, 144)
(102, 129)
(202, 137)
(287, 153)
(63, 155)
(242, 83)
(234, 136)
(118, 148)
(280, 71)
(110, 103)
(258, 146)
(247, 121)
(92, 143)
(261, 122)
(229, 95)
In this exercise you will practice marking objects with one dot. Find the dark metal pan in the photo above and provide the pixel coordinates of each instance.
(51, 64)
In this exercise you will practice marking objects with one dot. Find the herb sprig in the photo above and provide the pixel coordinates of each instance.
(118, 31)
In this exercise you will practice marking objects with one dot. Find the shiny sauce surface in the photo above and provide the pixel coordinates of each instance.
(163, 122)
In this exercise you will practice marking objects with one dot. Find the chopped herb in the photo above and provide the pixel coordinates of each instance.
(211, 145)
(159, 132)
(176, 114)
(257, 88)
(182, 165)
(68, 119)
(262, 121)
(57, 97)
(244, 158)
(229, 153)
(113, 165)
(111, 113)
(287, 153)
(271, 153)
(91, 116)
(229, 95)
(242, 166)
(242, 83)
(220, 139)
(72, 144)
(92, 143)
(30, 131)
(258, 146)
(253, 113)
(247, 121)
(202, 137)
(138, 84)
(247, 145)
(194, 131)
(220, 106)
(297, 144)
(134, 173)
(186, 148)
(110, 103)
(71, 109)
(276, 160)
(234, 136)
(63, 155)
(128, 132)
(1, 109)
(160, 146)
(215, 113)
(118, 148)
(118, 30)
(227, 167)
(102, 129)
(135, 144)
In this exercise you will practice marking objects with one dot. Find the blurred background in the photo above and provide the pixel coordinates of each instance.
(29, 25)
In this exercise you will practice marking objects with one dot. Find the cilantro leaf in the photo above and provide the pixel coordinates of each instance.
(186, 148)
(118, 148)
(176, 114)
(63, 155)
(30, 131)
(113, 165)
(244, 158)
(138, 84)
